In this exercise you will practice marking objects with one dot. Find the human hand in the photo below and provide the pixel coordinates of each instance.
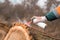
(37, 19)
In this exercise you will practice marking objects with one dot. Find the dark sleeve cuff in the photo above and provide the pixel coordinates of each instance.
(51, 16)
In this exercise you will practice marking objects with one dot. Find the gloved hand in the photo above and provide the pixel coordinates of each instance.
(37, 19)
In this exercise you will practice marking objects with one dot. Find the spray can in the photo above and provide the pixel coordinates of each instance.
(40, 24)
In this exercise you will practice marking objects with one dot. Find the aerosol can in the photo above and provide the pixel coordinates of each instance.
(40, 24)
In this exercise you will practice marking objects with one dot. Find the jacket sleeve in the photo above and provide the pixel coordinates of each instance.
(55, 14)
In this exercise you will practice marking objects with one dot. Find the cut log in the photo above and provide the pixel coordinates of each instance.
(2, 34)
(3, 30)
(18, 32)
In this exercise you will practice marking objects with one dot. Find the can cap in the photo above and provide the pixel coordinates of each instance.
(42, 25)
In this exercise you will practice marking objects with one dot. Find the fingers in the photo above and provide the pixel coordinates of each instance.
(36, 19)
(33, 17)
